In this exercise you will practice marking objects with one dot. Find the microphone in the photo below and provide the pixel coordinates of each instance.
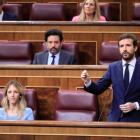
(105, 103)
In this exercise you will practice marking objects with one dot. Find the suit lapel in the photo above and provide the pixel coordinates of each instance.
(4, 16)
(135, 77)
(62, 57)
(45, 58)
(120, 77)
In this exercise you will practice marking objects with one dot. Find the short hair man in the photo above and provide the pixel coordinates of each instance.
(5, 16)
(54, 55)
(125, 77)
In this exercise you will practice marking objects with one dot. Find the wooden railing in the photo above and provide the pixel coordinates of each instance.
(54, 130)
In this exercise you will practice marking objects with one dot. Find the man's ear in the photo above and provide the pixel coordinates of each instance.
(136, 48)
(61, 43)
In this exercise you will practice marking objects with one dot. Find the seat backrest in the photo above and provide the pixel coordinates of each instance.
(47, 12)
(109, 52)
(70, 47)
(105, 10)
(104, 7)
(13, 9)
(76, 105)
(31, 99)
(136, 12)
(15, 52)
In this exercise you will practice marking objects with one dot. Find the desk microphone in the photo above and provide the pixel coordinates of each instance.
(105, 103)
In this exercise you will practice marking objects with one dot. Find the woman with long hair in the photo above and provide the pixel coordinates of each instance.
(90, 12)
(14, 103)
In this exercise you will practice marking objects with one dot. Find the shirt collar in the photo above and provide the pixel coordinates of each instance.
(56, 55)
(132, 63)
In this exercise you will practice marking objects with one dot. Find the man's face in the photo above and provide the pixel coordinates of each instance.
(127, 49)
(53, 44)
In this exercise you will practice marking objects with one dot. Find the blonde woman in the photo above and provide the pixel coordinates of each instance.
(14, 103)
(90, 12)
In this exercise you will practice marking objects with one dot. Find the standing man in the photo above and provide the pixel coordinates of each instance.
(5, 16)
(125, 77)
(54, 55)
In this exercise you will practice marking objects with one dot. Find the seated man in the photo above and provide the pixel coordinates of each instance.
(5, 16)
(54, 55)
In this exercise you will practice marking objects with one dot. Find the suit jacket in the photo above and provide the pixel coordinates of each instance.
(102, 18)
(7, 16)
(66, 58)
(114, 75)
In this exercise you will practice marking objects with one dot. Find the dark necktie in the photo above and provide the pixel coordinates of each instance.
(126, 76)
(53, 56)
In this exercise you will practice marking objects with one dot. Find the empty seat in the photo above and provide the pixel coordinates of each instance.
(47, 12)
(70, 47)
(31, 99)
(109, 53)
(136, 12)
(13, 9)
(15, 52)
(105, 10)
(104, 7)
(76, 105)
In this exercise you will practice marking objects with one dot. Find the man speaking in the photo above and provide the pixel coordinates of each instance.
(125, 77)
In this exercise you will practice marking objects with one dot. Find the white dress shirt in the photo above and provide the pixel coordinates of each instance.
(56, 60)
(130, 68)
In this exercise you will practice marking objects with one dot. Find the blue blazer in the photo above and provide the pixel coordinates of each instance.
(7, 16)
(66, 58)
(114, 75)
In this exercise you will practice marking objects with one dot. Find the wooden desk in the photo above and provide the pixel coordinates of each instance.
(59, 130)
(88, 35)
(47, 80)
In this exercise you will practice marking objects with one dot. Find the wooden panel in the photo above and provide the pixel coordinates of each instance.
(61, 138)
(115, 11)
(7, 36)
(5, 80)
(46, 98)
(87, 52)
(41, 81)
(37, 46)
(74, 83)
(16, 137)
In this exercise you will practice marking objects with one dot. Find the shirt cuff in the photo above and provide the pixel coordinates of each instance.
(137, 105)
(88, 84)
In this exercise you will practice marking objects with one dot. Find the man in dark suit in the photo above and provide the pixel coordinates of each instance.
(5, 16)
(54, 55)
(125, 77)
